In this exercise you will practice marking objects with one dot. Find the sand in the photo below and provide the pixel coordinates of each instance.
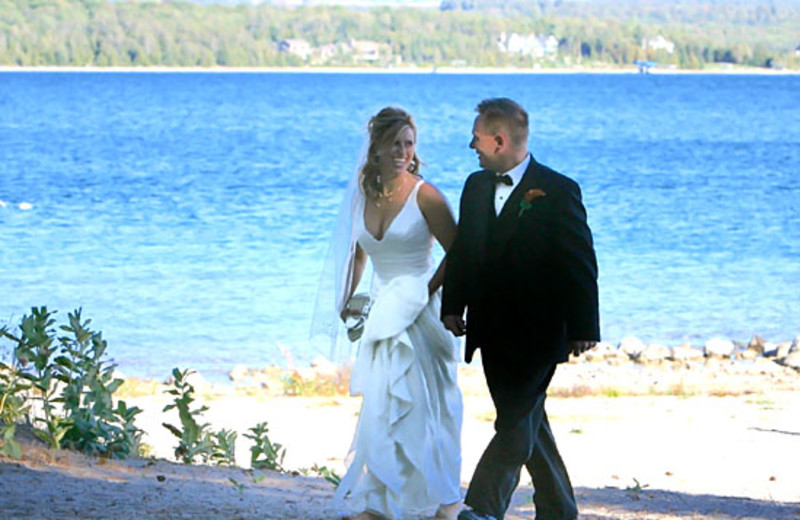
(660, 457)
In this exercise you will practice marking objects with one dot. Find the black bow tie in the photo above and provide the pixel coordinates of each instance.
(504, 179)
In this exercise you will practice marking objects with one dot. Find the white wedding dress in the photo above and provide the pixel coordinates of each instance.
(406, 454)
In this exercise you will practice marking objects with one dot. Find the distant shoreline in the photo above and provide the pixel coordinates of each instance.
(408, 70)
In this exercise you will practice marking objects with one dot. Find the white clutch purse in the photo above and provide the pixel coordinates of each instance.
(357, 308)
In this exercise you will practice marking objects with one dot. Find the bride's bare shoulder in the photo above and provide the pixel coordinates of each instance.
(429, 194)
(431, 201)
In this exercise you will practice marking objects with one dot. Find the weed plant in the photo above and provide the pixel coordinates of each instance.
(196, 441)
(224, 444)
(13, 405)
(64, 387)
(636, 490)
(294, 384)
(326, 473)
(264, 454)
(195, 438)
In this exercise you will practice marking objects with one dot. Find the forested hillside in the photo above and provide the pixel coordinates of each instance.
(598, 33)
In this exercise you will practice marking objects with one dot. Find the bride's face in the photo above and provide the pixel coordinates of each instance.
(396, 157)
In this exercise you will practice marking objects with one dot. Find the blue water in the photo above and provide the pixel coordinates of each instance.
(188, 213)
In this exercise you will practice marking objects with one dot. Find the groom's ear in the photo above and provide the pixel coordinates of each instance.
(499, 139)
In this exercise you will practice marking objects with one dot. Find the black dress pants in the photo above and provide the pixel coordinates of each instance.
(522, 438)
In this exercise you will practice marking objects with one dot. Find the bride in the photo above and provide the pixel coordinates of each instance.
(405, 454)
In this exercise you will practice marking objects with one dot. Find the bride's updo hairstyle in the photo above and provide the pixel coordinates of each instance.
(383, 130)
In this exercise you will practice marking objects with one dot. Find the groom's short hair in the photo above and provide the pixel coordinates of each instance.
(497, 112)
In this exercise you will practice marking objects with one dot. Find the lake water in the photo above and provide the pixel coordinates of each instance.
(188, 213)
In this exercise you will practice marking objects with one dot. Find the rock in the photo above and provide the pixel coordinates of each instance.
(719, 347)
(792, 360)
(238, 374)
(755, 348)
(782, 350)
(763, 365)
(600, 352)
(748, 354)
(795, 344)
(757, 343)
(632, 346)
(592, 357)
(686, 352)
(654, 354)
(617, 357)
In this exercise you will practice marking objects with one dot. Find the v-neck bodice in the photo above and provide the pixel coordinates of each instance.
(406, 245)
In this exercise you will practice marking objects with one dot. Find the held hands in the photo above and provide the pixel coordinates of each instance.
(579, 347)
(455, 324)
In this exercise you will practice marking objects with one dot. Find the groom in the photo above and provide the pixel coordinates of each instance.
(523, 266)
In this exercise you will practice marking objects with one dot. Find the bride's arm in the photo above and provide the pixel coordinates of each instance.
(359, 262)
(440, 221)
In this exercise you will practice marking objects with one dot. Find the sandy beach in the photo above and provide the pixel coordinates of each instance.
(727, 449)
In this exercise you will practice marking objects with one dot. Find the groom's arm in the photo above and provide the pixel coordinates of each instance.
(578, 272)
(454, 292)
(454, 299)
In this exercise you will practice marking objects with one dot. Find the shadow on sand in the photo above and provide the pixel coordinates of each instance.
(74, 486)
(654, 504)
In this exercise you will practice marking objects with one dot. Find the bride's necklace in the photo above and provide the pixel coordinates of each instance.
(387, 194)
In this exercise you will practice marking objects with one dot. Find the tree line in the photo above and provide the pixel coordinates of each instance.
(103, 33)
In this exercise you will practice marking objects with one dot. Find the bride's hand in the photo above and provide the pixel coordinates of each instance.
(346, 313)
(355, 307)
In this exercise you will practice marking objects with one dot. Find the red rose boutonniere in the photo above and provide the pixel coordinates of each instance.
(527, 200)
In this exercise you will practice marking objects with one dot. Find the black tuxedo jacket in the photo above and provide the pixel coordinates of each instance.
(528, 277)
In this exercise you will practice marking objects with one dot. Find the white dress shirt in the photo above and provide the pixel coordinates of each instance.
(503, 191)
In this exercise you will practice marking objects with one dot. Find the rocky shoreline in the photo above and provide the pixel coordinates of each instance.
(652, 436)
(720, 367)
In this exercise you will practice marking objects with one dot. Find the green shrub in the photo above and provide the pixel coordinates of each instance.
(224, 452)
(13, 405)
(265, 454)
(195, 440)
(89, 385)
(328, 474)
(68, 388)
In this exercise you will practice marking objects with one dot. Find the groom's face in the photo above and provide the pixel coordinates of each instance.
(485, 145)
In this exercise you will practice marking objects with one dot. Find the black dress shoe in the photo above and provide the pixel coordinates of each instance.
(471, 514)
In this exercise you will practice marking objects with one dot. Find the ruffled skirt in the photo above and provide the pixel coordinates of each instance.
(406, 453)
